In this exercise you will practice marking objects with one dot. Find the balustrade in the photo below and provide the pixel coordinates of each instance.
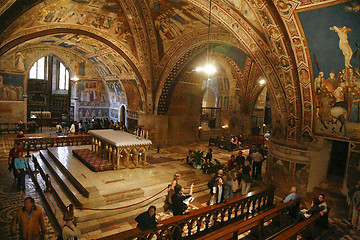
(38, 142)
(201, 221)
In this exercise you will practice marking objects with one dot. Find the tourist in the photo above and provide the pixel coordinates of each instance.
(21, 126)
(30, 220)
(292, 196)
(70, 231)
(355, 221)
(20, 134)
(230, 178)
(208, 156)
(218, 192)
(211, 183)
(22, 168)
(188, 158)
(257, 159)
(177, 199)
(171, 191)
(147, 220)
(12, 155)
(240, 159)
(350, 196)
(231, 162)
(304, 214)
(245, 177)
(72, 128)
(322, 204)
(59, 128)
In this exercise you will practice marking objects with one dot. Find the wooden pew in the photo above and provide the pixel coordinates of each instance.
(297, 229)
(231, 231)
(196, 223)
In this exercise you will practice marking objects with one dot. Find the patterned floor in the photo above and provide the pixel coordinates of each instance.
(11, 199)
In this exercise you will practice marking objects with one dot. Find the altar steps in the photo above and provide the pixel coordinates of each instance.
(90, 220)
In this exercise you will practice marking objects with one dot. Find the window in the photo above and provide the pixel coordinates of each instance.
(38, 70)
(63, 81)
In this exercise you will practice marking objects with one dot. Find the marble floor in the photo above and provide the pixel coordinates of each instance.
(11, 199)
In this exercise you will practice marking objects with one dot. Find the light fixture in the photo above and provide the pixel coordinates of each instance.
(208, 68)
(33, 116)
(262, 82)
(75, 78)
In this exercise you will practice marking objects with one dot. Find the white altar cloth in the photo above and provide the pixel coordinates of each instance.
(119, 138)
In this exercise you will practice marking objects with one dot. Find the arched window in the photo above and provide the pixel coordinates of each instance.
(51, 68)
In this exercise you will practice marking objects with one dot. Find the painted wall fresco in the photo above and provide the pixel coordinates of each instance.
(244, 9)
(106, 16)
(333, 44)
(91, 92)
(87, 113)
(133, 94)
(117, 95)
(172, 19)
(11, 87)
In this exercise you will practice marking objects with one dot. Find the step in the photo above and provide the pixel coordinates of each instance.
(60, 178)
(66, 172)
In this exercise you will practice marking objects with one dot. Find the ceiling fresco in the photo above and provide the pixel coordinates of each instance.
(143, 45)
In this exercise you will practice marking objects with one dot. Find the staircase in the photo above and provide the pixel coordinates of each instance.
(67, 188)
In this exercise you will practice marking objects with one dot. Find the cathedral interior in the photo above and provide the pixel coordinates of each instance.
(190, 70)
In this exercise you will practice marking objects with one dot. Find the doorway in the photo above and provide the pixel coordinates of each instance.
(338, 160)
(122, 114)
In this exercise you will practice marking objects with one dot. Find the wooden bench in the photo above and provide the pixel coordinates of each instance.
(231, 231)
(297, 229)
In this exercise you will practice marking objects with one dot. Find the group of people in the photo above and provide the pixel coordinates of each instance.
(318, 205)
(18, 164)
(85, 126)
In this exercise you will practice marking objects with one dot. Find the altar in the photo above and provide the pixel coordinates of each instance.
(120, 148)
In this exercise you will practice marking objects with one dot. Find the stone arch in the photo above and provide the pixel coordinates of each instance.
(43, 31)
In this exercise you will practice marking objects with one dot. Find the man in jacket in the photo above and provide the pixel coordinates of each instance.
(30, 219)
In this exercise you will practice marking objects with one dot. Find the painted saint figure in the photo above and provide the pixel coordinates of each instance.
(344, 43)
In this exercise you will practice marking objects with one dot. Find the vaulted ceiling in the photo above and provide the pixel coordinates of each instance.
(153, 41)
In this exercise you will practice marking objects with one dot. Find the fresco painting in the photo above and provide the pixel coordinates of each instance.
(117, 95)
(106, 16)
(133, 94)
(176, 19)
(334, 47)
(91, 91)
(11, 87)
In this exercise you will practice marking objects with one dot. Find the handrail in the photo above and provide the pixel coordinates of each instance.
(292, 232)
(198, 221)
(34, 143)
(258, 221)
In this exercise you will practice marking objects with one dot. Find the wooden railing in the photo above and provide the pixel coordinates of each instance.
(232, 231)
(38, 142)
(201, 221)
(297, 229)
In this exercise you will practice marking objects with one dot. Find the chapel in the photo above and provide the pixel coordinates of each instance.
(178, 72)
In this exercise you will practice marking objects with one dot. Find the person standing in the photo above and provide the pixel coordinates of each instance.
(177, 199)
(21, 126)
(21, 167)
(30, 220)
(245, 177)
(257, 159)
(208, 156)
(230, 177)
(218, 192)
(147, 220)
(231, 162)
(171, 191)
(12, 155)
(240, 159)
(70, 232)
(59, 128)
(72, 128)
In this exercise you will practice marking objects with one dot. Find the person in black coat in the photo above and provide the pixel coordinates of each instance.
(177, 199)
(147, 220)
(208, 156)
(305, 214)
